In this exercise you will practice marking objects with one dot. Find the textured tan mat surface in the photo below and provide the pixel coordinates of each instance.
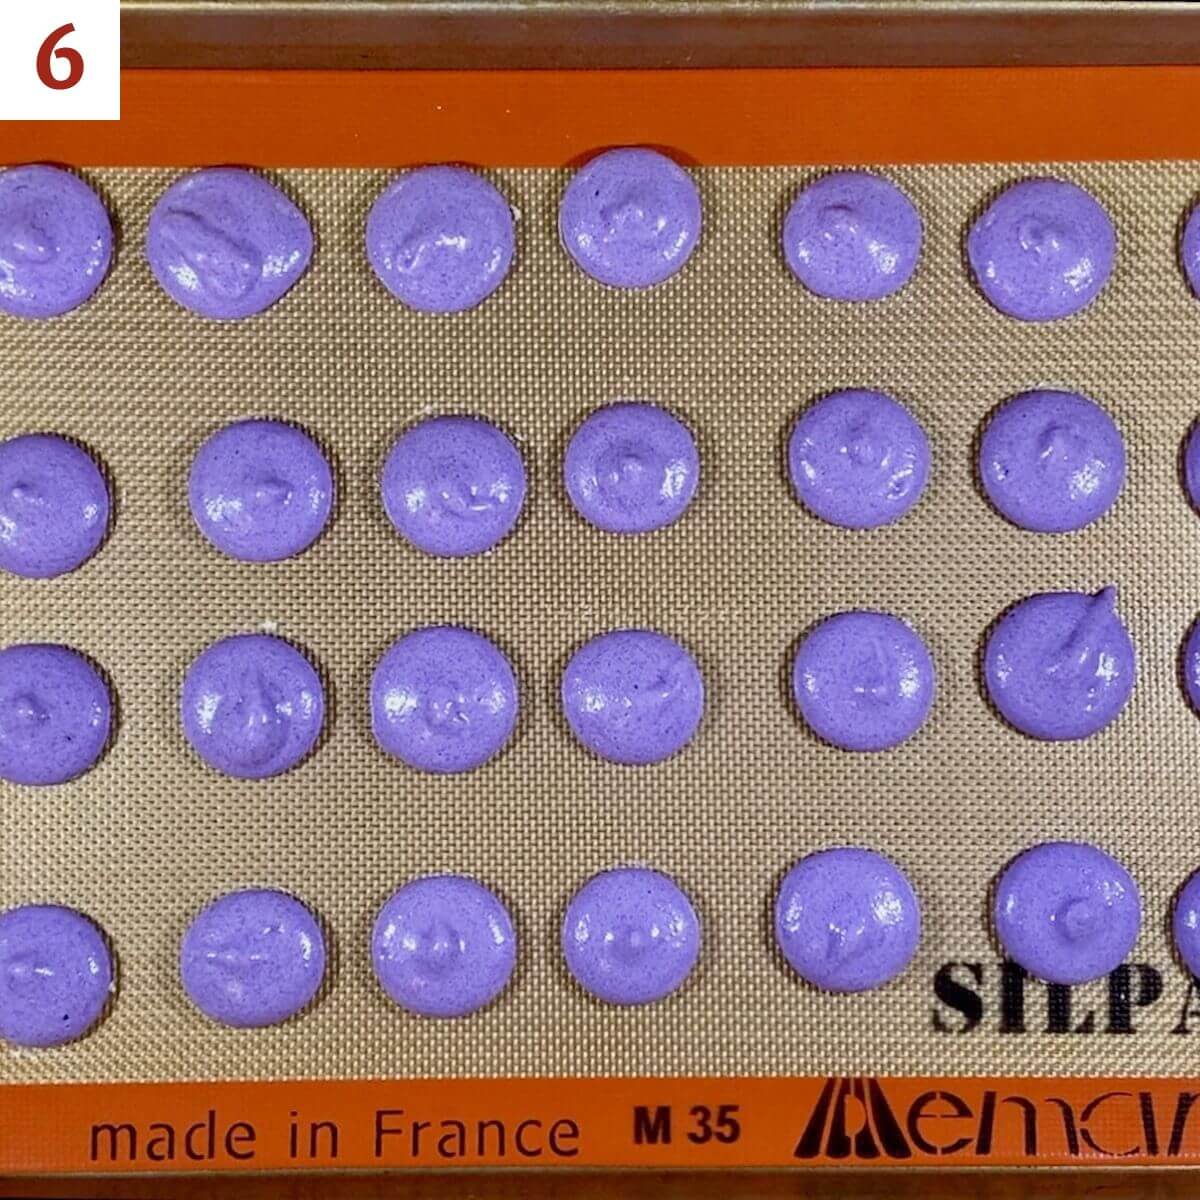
(736, 348)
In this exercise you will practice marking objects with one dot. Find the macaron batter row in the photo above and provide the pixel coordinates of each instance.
(226, 244)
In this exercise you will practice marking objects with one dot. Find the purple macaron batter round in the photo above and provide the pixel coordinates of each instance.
(1061, 666)
(1043, 250)
(633, 696)
(1052, 461)
(1189, 250)
(226, 243)
(1067, 912)
(260, 491)
(441, 239)
(1191, 665)
(252, 706)
(852, 235)
(453, 486)
(847, 919)
(1185, 924)
(56, 975)
(863, 680)
(443, 946)
(54, 506)
(858, 459)
(443, 699)
(56, 241)
(1191, 466)
(631, 468)
(252, 958)
(55, 714)
(630, 936)
(630, 218)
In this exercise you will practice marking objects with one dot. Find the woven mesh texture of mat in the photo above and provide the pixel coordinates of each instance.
(736, 348)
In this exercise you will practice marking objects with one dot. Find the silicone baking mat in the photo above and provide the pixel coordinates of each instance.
(737, 348)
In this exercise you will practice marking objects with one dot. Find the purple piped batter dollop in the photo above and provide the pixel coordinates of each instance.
(252, 706)
(260, 491)
(1185, 924)
(633, 696)
(863, 680)
(630, 218)
(1191, 666)
(252, 958)
(631, 936)
(54, 506)
(453, 485)
(858, 459)
(56, 975)
(1061, 666)
(441, 239)
(443, 699)
(55, 714)
(847, 919)
(1052, 461)
(630, 468)
(56, 241)
(1067, 912)
(1044, 249)
(852, 235)
(1189, 250)
(443, 946)
(226, 243)
(1191, 466)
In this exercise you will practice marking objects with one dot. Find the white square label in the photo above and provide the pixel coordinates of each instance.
(60, 60)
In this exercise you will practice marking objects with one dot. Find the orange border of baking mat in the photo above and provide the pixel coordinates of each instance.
(385, 1124)
(303, 118)
(548, 118)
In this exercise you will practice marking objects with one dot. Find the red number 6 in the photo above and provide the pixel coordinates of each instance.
(50, 49)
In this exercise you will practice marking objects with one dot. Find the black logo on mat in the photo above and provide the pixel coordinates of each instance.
(878, 1135)
(854, 1119)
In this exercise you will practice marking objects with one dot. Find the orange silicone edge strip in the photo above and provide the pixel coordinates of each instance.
(551, 118)
(754, 1122)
